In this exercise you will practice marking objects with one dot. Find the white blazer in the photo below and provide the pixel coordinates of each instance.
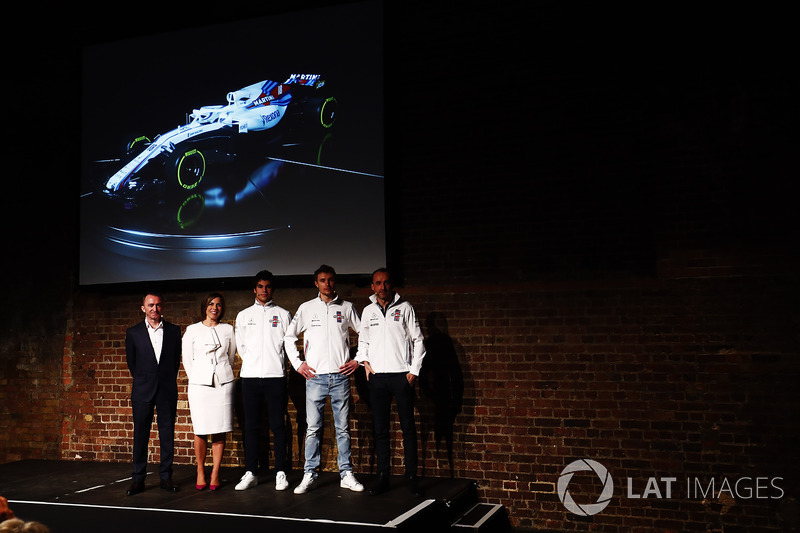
(208, 352)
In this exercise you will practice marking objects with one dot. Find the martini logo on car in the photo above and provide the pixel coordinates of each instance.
(304, 79)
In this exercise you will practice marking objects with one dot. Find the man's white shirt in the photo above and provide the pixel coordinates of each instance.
(156, 338)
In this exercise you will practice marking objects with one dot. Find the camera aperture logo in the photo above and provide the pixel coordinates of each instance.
(583, 465)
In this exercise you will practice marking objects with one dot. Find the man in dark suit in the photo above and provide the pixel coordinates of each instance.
(153, 351)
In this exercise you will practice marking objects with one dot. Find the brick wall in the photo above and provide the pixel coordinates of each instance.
(652, 378)
(594, 219)
(30, 368)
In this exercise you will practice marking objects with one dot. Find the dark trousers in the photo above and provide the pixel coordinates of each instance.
(255, 391)
(166, 411)
(382, 388)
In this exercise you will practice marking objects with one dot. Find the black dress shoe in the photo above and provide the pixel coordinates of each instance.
(135, 488)
(381, 484)
(168, 485)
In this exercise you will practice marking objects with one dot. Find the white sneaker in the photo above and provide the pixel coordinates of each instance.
(349, 481)
(305, 485)
(248, 480)
(280, 481)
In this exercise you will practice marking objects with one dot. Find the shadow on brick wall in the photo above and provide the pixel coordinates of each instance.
(441, 388)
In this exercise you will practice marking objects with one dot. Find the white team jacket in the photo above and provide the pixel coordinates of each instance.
(259, 338)
(394, 342)
(326, 343)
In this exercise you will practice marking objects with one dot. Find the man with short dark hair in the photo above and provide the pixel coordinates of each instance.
(153, 353)
(390, 346)
(259, 338)
(324, 323)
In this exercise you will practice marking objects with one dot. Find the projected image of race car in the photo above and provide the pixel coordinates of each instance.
(214, 150)
(264, 113)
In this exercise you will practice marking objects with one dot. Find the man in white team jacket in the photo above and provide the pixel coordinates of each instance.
(324, 323)
(391, 348)
(259, 338)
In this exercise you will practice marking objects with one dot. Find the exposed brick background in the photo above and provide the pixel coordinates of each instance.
(592, 209)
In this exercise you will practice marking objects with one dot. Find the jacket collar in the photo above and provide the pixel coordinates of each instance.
(395, 300)
(336, 300)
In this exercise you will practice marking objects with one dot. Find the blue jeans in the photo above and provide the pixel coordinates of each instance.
(318, 389)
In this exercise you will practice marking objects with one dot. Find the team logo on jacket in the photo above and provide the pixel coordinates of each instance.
(396, 315)
(339, 316)
(274, 321)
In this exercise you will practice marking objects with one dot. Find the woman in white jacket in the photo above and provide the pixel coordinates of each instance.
(209, 350)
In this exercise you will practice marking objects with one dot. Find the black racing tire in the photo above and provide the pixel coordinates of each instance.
(188, 166)
(135, 145)
(313, 113)
(327, 112)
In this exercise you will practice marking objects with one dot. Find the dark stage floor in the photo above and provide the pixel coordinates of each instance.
(81, 496)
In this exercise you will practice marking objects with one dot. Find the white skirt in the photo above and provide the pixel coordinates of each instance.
(211, 407)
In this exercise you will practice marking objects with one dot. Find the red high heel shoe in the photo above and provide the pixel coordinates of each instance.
(213, 487)
(200, 487)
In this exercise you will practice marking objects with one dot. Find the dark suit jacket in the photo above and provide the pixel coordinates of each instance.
(149, 376)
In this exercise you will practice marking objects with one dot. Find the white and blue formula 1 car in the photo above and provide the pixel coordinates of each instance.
(181, 156)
